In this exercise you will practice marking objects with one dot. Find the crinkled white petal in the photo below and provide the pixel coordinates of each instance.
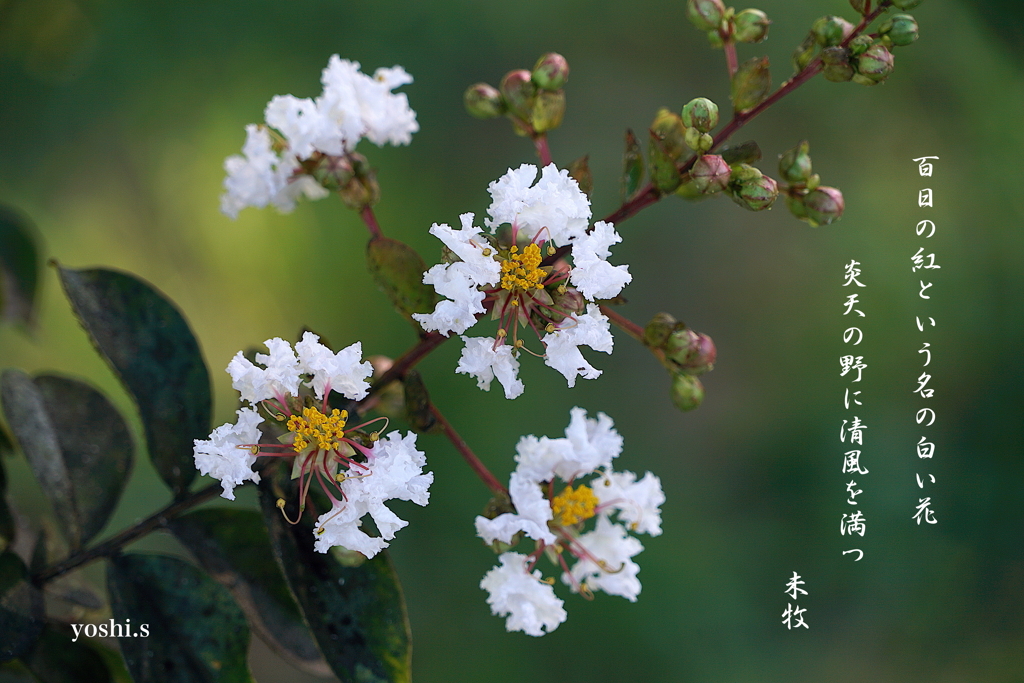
(595, 443)
(610, 543)
(542, 459)
(638, 502)
(484, 362)
(562, 346)
(342, 371)
(300, 122)
(555, 203)
(359, 105)
(591, 273)
(225, 454)
(533, 512)
(531, 605)
(251, 178)
(280, 376)
(395, 472)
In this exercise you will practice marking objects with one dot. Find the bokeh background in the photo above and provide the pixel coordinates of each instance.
(117, 115)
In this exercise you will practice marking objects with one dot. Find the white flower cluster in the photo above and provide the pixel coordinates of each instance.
(552, 210)
(393, 467)
(352, 106)
(604, 555)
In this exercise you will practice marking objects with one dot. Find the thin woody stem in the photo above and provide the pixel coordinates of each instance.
(114, 544)
(540, 143)
(623, 323)
(730, 57)
(467, 453)
(371, 221)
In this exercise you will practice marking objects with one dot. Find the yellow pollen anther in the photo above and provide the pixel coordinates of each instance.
(254, 449)
(551, 250)
(522, 270)
(340, 477)
(549, 328)
(487, 252)
(549, 581)
(313, 427)
(520, 343)
(320, 531)
(375, 436)
(280, 503)
(502, 333)
(572, 506)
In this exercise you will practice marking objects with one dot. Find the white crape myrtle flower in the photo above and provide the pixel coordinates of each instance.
(555, 517)
(506, 272)
(276, 165)
(357, 469)
(531, 604)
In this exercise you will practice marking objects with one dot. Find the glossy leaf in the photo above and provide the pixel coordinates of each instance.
(151, 348)
(21, 608)
(59, 657)
(632, 166)
(19, 267)
(398, 271)
(77, 444)
(356, 613)
(196, 633)
(233, 546)
(743, 153)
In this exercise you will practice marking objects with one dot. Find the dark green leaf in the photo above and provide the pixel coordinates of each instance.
(21, 608)
(77, 444)
(632, 166)
(6, 519)
(579, 170)
(398, 271)
(196, 633)
(751, 84)
(356, 613)
(417, 403)
(60, 657)
(743, 153)
(233, 546)
(19, 267)
(152, 349)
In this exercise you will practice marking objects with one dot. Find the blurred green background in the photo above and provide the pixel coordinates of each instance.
(116, 117)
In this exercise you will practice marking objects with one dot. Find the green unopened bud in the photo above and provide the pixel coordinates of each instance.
(657, 332)
(548, 110)
(697, 141)
(803, 55)
(519, 91)
(755, 192)
(694, 353)
(484, 101)
(906, 4)
(831, 30)
(706, 15)
(835, 64)
(751, 84)
(710, 174)
(667, 145)
(551, 72)
(750, 26)
(860, 5)
(570, 302)
(715, 39)
(687, 391)
(700, 113)
(900, 30)
(351, 177)
(333, 172)
(795, 202)
(744, 173)
(795, 164)
(874, 66)
(860, 45)
(824, 205)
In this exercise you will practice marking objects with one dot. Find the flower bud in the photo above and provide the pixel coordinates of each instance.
(874, 66)
(900, 30)
(751, 84)
(824, 205)
(333, 172)
(860, 45)
(519, 90)
(551, 72)
(700, 113)
(706, 15)
(803, 55)
(667, 144)
(836, 64)
(795, 202)
(657, 332)
(693, 352)
(831, 30)
(750, 26)
(548, 110)
(710, 174)
(795, 164)
(570, 301)
(483, 101)
(751, 189)
(906, 4)
(687, 391)
(860, 5)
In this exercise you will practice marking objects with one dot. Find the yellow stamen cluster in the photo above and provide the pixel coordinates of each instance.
(522, 270)
(315, 427)
(572, 506)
